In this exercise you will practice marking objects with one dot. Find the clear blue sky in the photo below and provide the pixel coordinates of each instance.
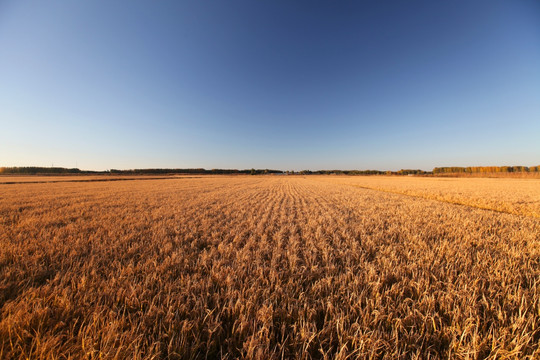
(274, 84)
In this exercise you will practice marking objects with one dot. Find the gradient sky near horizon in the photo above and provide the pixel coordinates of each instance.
(277, 84)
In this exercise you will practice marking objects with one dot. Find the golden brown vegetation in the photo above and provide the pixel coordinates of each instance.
(267, 267)
(514, 196)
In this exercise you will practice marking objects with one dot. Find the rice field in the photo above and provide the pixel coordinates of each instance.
(270, 267)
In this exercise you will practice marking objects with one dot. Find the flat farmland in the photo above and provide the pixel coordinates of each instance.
(514, 195)
(271, 267)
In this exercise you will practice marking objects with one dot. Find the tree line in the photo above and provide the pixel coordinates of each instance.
(36, 170)
(362, 172)
(485, 169)
(195, 171)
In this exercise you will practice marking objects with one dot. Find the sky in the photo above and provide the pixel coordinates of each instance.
(287, 85)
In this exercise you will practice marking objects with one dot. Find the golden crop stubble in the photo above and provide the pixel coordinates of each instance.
(508, 195)
(261, 267)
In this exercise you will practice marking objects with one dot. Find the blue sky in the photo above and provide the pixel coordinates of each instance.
(276, 84)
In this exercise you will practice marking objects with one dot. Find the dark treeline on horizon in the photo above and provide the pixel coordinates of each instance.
(36, 170)
(197, 171)
(485, 169)
(31, 170)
